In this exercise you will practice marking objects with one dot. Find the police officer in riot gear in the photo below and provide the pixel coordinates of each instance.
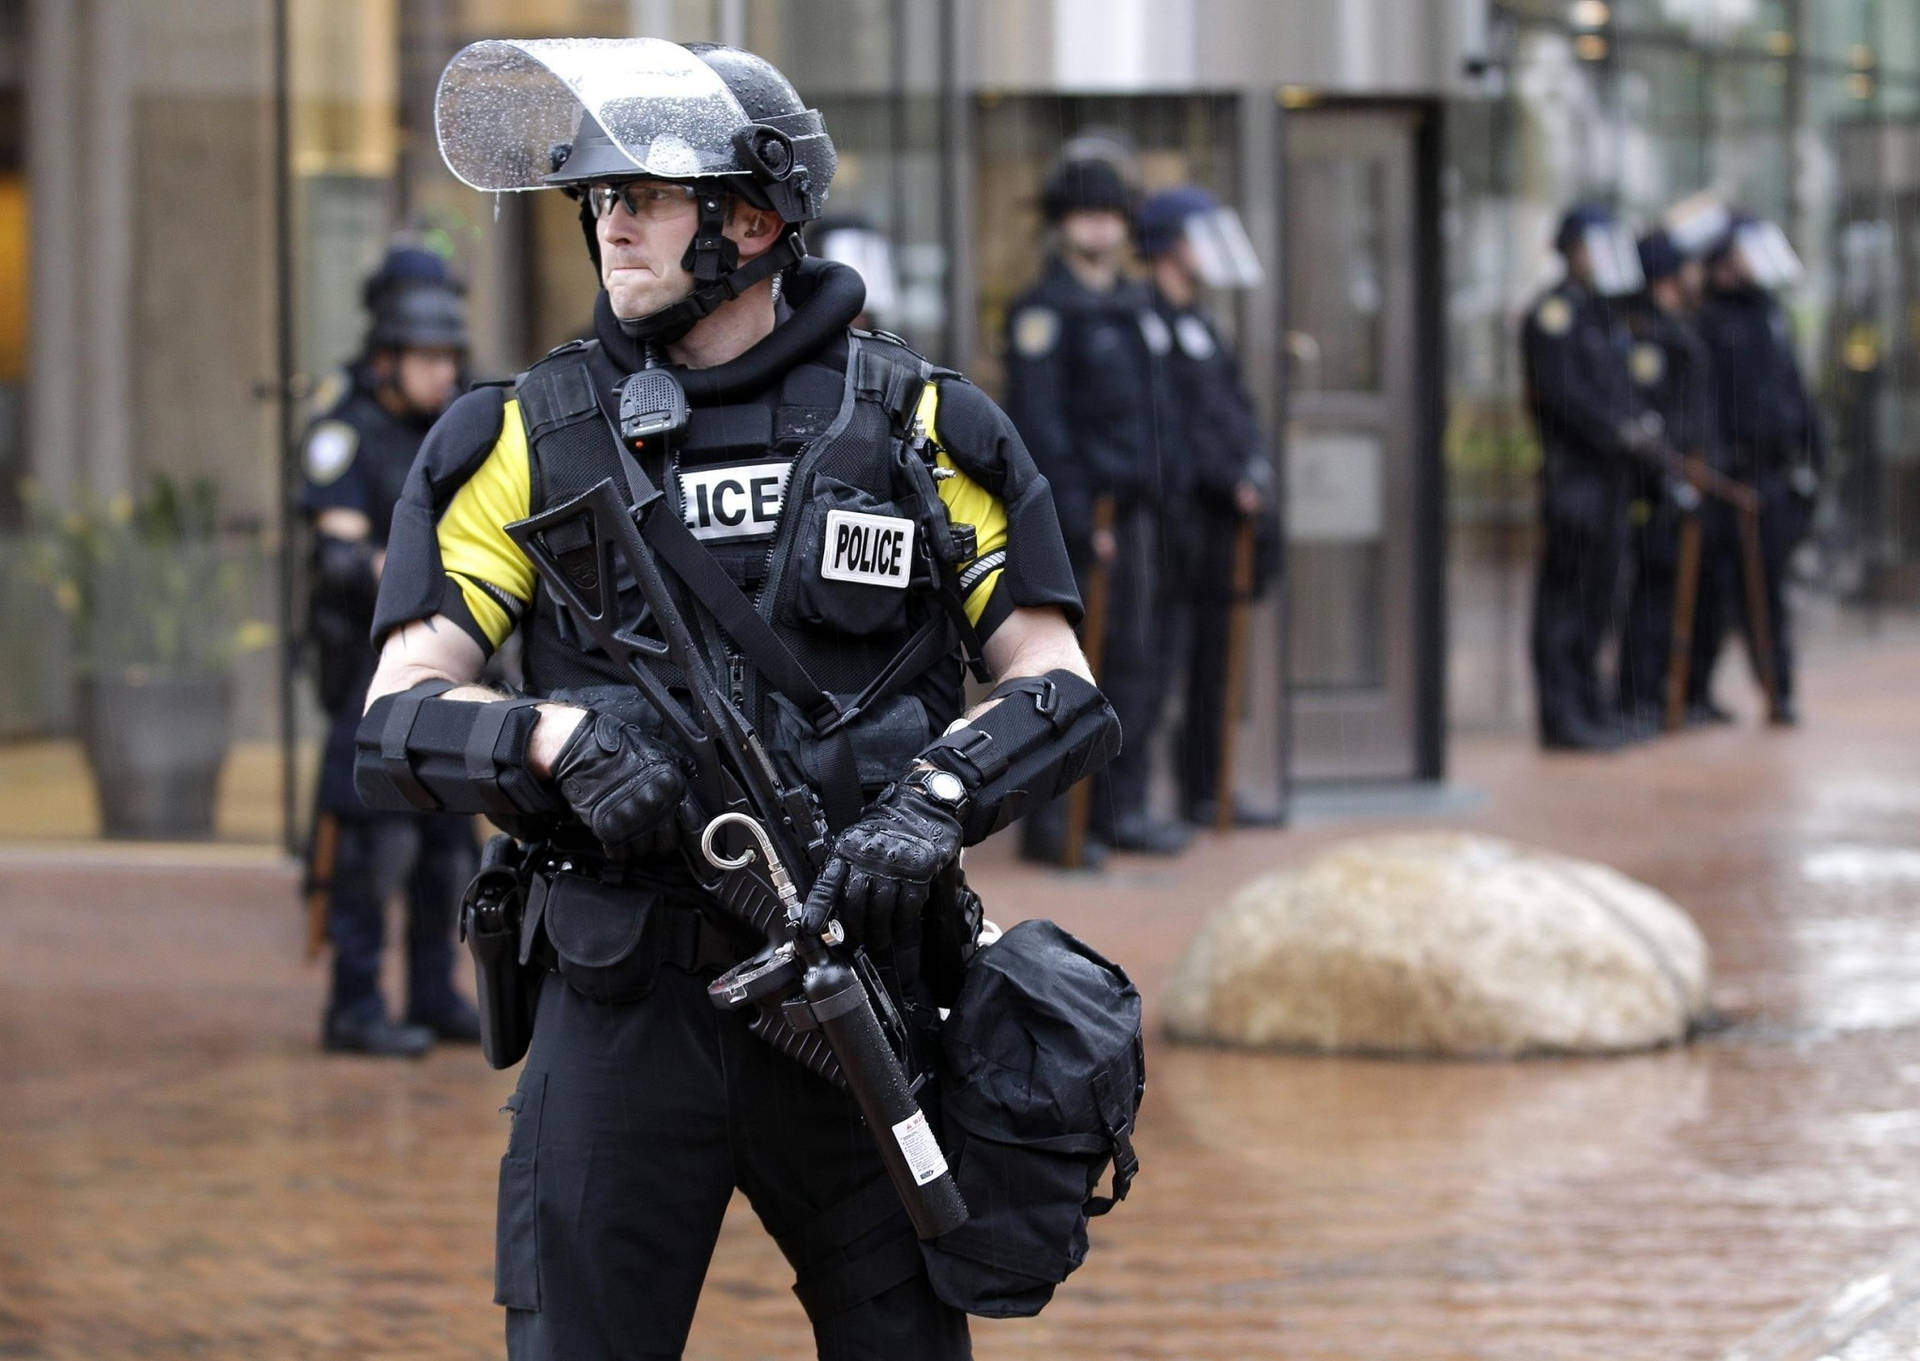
(1772, 428)
(1592, 436)
(356, 457)
(641, 1106)
(1089, 386)
(1671, 370)
(1190, 241)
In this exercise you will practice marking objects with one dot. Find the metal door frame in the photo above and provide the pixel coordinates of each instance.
(1415, 525)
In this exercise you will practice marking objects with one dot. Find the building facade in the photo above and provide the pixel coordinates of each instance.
(194, 187)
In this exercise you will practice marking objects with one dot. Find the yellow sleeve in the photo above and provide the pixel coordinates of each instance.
(495, 578)
(968, 503)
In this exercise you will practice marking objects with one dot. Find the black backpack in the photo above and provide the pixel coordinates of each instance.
(1042, 1071)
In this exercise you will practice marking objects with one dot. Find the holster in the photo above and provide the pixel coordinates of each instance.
(505, 986)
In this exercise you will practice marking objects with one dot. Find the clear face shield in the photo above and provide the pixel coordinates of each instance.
(1768, 255)
(1223, 255)
(503, 106)
(1614, 258)
(869, 254)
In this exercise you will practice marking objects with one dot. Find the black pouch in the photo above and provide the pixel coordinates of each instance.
(854, 607)
(1042, 1068)
(596, 930)
(885, 739)
(505, 987)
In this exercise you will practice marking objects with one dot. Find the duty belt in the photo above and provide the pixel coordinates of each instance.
(677, 932)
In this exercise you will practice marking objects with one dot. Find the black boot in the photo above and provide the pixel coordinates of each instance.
(1145, 834)
(370, 1032)
(456, 1023)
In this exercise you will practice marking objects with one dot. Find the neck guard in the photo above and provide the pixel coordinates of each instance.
(825, 298)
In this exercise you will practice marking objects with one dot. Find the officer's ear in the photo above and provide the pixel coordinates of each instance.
(753, 229)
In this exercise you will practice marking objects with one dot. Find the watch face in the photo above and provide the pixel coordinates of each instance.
(945, 786)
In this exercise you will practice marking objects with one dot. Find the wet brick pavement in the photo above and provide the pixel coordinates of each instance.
(182, 1175)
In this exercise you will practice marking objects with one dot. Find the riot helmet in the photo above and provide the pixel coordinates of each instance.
(1660, 258)
(1612, 256)
(418, 316)
(1217, 243)
(575, 112)
(1085, 184)
(404, 264)
(1760, 250)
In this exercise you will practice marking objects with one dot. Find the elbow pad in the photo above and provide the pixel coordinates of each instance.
(418, 752)
(1045, 733)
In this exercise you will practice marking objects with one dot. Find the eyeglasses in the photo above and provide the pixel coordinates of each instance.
(654, 200)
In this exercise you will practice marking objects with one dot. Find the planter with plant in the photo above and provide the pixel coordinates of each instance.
(156, 595)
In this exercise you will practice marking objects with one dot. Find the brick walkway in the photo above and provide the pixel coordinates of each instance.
(183, 1176)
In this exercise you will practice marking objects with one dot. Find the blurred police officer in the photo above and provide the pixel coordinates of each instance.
(1767, 417)
(1574, 350)
(1088, 385)
(356, 457)
(1671, 369)
(641, 1106)
(1190, 241)
(867, 251)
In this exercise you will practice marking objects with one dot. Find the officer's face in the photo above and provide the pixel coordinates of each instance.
(426, 378)
(1095, 233)
(1693, 282)
(640, 253)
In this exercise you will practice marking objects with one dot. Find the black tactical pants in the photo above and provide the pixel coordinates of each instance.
(1145, 633)
(377, 855)
(632, 1124)
(1572, 608)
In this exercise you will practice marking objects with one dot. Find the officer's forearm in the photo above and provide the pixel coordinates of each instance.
(436, 649)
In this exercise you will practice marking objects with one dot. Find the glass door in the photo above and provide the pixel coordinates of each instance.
(1352, 441)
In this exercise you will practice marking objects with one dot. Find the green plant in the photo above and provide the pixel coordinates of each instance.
(157, 585)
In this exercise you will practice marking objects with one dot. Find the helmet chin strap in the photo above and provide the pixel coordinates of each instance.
(670, 323)
(713, 260)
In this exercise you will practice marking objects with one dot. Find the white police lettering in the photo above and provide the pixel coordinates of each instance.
(739, 502)
(875, 550)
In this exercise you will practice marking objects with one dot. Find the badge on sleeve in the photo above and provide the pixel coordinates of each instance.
(1555, 316)
(1035, 332)
(330, 450)
(1194, 336)
(1647, 363)
(1159, 338)
(874, 550)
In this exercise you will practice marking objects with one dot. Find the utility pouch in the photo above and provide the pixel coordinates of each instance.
(1041, 1074)
(505, 988)
(857, 560)
(597, 930)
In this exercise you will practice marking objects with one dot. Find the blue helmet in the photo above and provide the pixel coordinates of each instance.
(1162, 219)
(1660, 258)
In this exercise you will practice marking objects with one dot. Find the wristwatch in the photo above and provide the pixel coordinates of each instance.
(941, 787)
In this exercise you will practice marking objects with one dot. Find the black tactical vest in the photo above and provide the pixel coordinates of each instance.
(857, 578)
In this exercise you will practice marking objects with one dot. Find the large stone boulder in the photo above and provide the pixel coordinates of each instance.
(1442, 944)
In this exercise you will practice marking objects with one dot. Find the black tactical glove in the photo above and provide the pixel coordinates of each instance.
(624, 786)
(881, 869)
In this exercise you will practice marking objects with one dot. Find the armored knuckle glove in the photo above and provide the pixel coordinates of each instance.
(885, 864)
(621, 784)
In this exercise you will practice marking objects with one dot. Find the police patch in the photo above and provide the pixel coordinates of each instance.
(739, 502)
(1035, 330)
(329, 452)
(1194, 336)
(1555, 316)
(1648, 364)
(1159, 338)
(875, 550)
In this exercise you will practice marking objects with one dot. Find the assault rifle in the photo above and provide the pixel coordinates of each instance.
(760, 840)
